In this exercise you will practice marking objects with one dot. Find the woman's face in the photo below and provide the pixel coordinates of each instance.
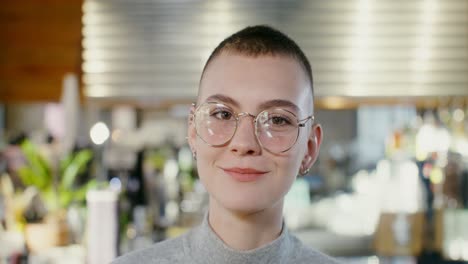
(240, 175)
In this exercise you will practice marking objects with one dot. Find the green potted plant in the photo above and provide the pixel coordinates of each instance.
(56, 188)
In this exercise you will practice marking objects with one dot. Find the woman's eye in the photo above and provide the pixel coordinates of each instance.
(222, 114)
(279, 121)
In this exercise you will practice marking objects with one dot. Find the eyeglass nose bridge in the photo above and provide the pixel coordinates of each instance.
(243, 114)
(254, 122)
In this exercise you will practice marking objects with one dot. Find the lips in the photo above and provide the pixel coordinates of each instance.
(244, 174)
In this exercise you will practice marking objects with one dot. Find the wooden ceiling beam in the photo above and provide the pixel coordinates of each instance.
(41, 42)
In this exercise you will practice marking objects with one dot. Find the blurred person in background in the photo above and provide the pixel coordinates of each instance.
(251, 131)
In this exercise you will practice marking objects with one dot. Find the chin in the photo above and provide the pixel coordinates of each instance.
(245, 210)
(243, 204)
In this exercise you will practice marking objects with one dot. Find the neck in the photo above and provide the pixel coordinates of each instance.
(246, 231)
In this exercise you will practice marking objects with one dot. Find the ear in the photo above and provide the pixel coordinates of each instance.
(191, 131)
(313, 147)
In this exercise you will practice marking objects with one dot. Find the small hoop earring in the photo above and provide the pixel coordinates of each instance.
(304, 172)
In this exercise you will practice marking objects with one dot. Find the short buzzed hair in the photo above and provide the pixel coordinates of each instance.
(262, 40)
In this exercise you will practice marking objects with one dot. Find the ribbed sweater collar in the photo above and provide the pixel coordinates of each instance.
(206, 247)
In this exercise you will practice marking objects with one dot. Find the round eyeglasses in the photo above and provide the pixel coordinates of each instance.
(276, 129)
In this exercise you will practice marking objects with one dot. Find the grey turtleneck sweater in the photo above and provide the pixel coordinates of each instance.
(201, 245)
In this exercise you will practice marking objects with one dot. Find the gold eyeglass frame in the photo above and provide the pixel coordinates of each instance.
(300, 123)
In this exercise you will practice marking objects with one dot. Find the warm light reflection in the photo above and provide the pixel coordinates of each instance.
(437, 176)
(458, 115)
(334, 102)
(171, 169)
(99, 133)
(116, 135)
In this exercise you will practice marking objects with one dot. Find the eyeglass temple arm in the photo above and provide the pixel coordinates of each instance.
(305, 120)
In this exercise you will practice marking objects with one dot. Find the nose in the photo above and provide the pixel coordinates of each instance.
(245, 141)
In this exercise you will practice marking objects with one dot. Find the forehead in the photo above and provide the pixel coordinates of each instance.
(253, 80)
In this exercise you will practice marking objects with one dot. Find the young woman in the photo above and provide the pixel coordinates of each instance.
(251, 131)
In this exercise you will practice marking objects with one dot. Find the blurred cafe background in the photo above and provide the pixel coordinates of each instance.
(94, 97)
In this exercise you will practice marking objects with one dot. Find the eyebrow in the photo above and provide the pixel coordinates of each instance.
(264, 105)
(279, 103)
(223, 99)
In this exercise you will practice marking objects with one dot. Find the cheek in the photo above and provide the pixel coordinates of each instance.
(205, 172)
(206, 158)
(292, 160)
(287, 171)
(289, 167)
